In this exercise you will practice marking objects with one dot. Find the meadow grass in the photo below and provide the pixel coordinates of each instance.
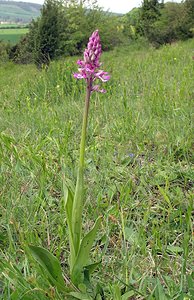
(138, 172)
(12, 35)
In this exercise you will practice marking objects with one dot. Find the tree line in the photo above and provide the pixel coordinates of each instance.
(63, 29)
(161, 23)
(64, 26)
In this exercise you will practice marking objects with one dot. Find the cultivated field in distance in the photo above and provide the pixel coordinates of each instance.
(10, 34)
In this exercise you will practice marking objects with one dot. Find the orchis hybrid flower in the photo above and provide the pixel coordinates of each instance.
(73, 201)
(81, 246)
(89, 67)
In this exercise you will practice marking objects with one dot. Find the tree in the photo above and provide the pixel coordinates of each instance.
(130, 23)
(150, 12)
(189, 8)
(83, 17)
(46, 33)
(63, 28)
(172, 25)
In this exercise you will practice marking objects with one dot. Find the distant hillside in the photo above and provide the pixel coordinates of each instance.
(18, 12)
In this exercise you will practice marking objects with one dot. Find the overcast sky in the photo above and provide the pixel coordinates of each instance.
(119, 6)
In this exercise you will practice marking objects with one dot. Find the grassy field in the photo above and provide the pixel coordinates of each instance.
(11, 25)
(138, 173)
(12, 35)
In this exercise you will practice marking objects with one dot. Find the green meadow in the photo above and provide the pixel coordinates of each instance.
(138, 174)
(12, 35)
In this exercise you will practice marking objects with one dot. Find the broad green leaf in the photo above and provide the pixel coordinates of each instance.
(69, 198)
(127, 295)
(77, 211)
(87, 270)
(50, 264)
(92, 267)
(84, 252)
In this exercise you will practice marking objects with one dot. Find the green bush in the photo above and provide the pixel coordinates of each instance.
(20, 53)
(160, 23)
(4, 51)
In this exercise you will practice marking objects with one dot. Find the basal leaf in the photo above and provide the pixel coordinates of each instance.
(50, 264)
(87, 270)
(68, 198)
(77, 211)
(84, 251)
(92, 267)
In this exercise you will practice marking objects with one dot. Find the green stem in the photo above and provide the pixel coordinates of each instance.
(78, 198)
(84, 125)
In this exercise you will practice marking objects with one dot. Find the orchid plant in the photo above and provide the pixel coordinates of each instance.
(88, 70)
(80, 244)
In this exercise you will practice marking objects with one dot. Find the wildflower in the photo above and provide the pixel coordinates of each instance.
(89, 67)
(88, 70)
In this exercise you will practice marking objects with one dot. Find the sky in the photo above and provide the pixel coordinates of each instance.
(119, 6)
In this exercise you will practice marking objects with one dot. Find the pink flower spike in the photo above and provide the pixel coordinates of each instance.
(102, 76)
(96, 88)
(80, 63)
(78, 76)
(89, 65)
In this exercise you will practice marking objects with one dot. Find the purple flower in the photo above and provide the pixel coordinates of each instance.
(89, 67)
